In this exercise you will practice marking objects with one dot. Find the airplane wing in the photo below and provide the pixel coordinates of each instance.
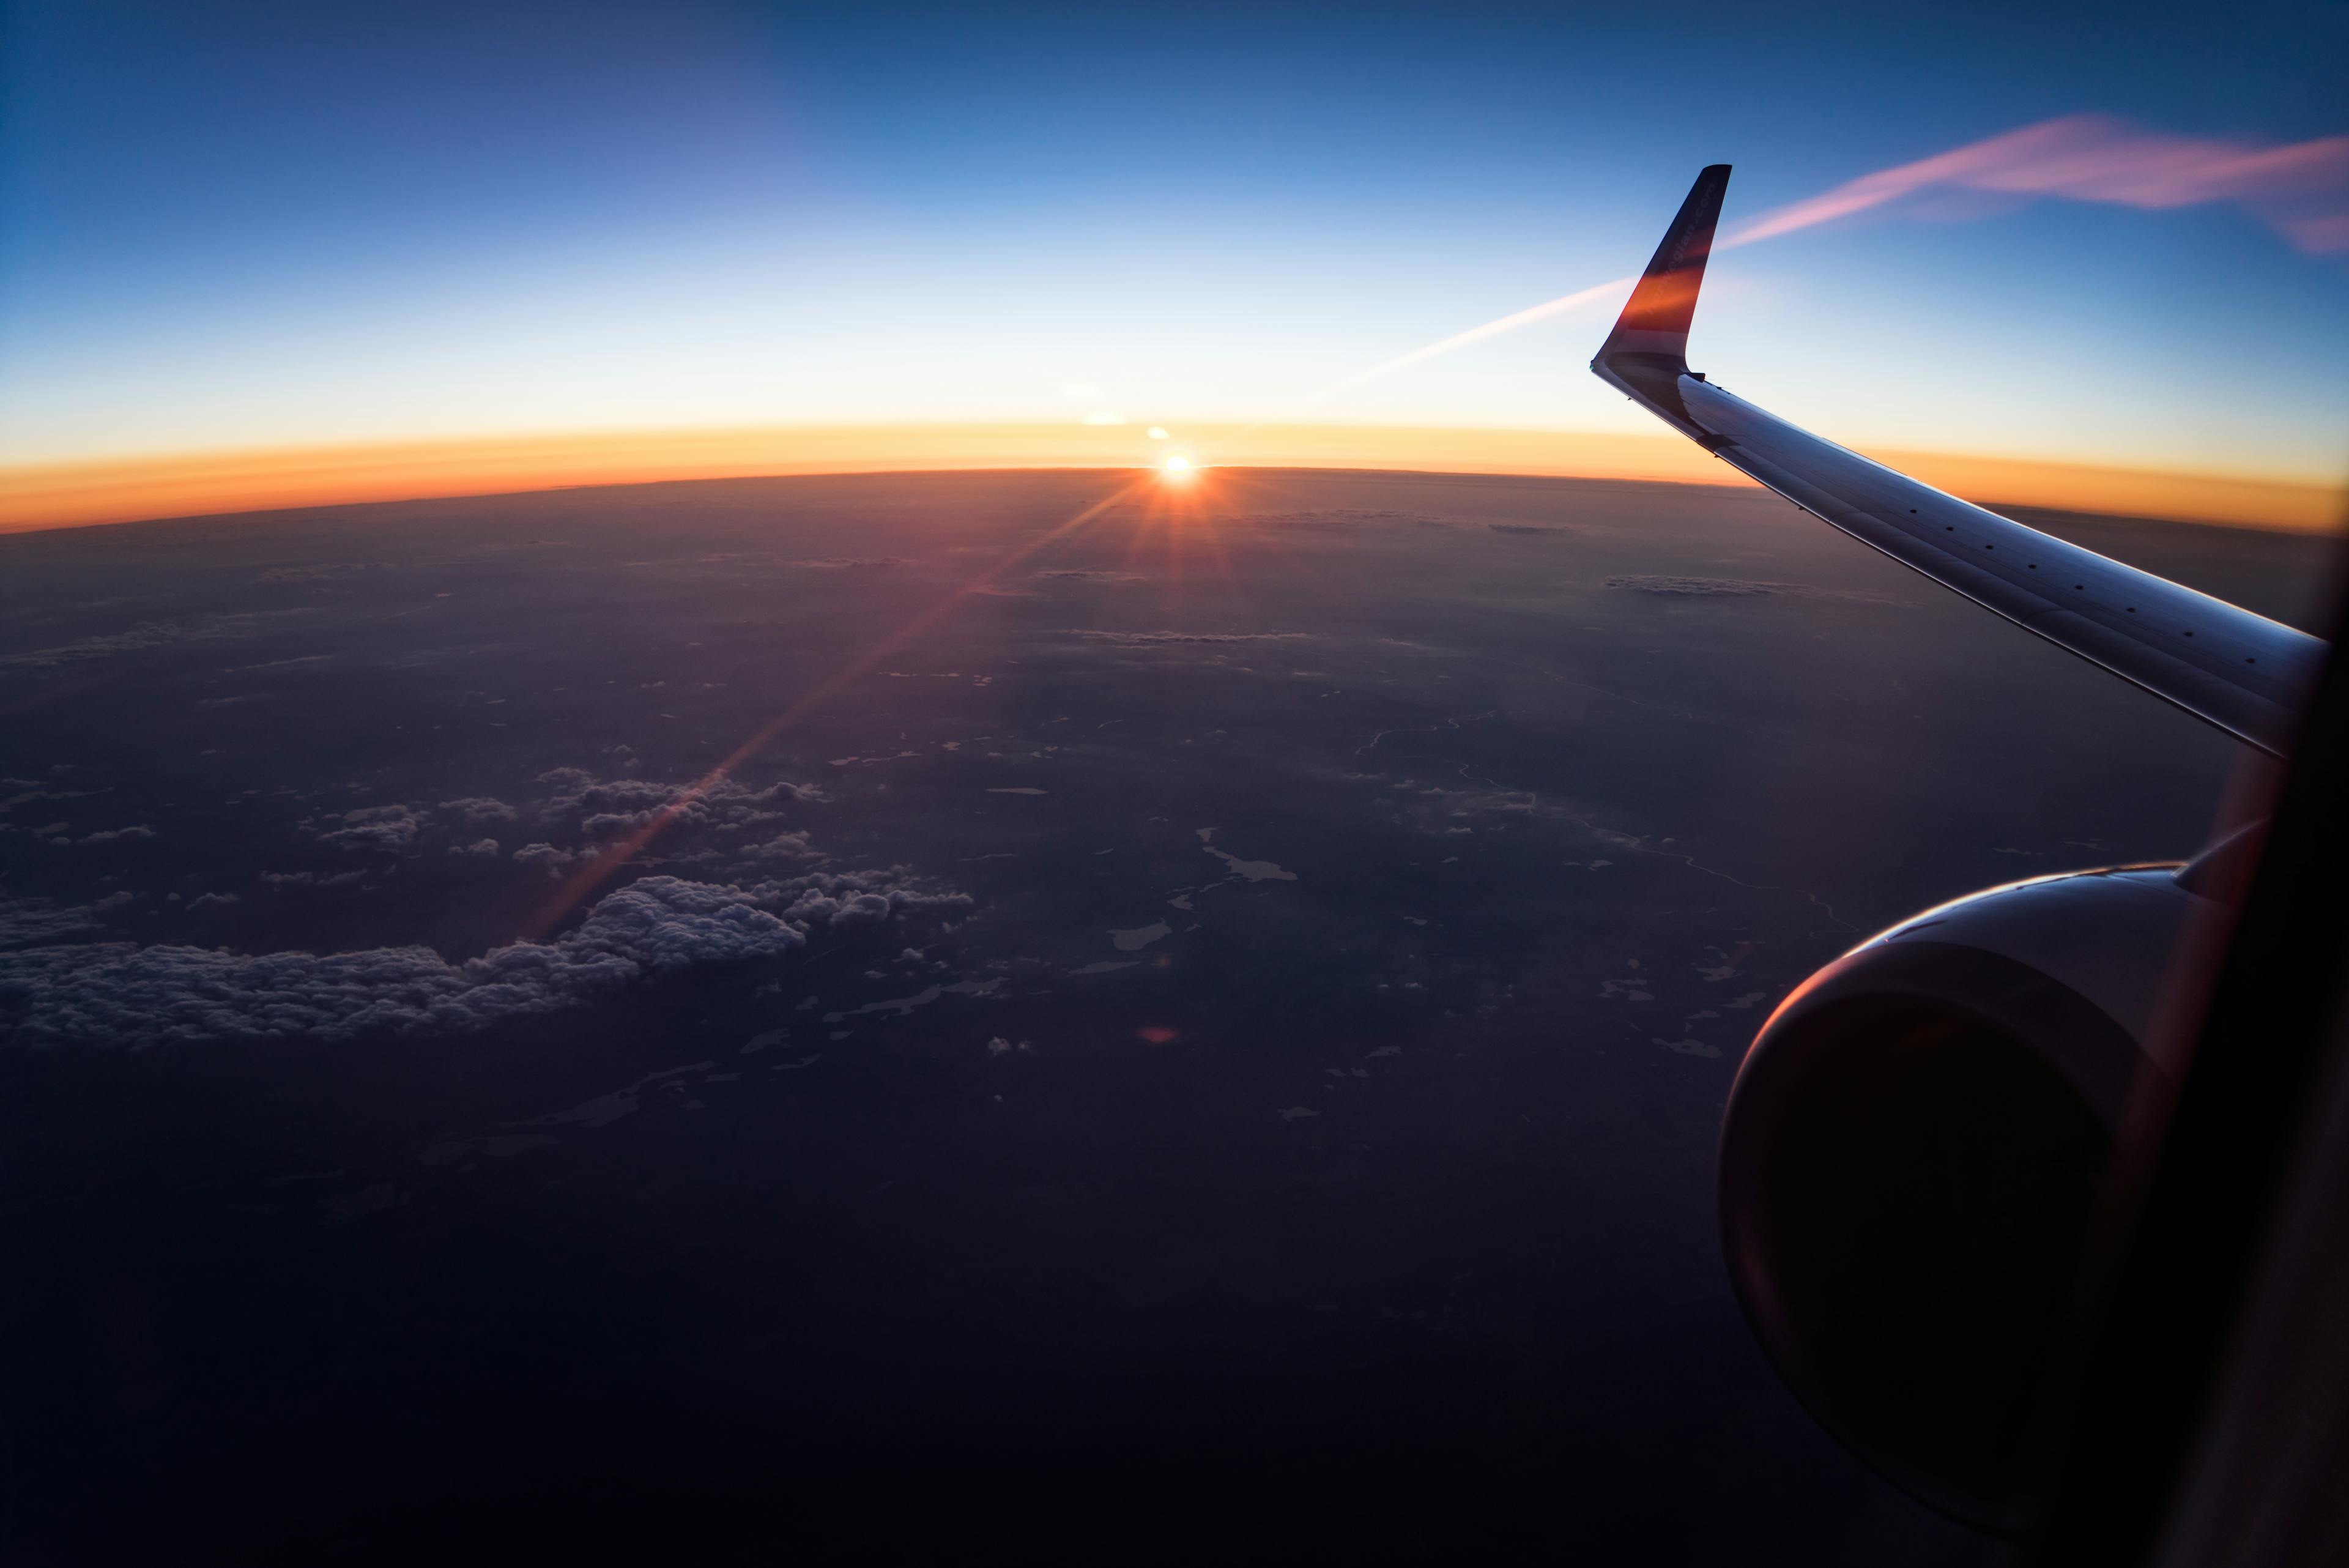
(2240, 671)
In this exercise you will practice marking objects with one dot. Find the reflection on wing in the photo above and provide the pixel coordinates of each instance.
(2240, 671)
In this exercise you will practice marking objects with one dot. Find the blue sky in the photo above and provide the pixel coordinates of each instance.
(257, 225)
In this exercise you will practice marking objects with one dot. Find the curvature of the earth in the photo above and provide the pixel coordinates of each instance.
(1206, 1035)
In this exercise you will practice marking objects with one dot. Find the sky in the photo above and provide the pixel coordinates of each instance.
(240, 239)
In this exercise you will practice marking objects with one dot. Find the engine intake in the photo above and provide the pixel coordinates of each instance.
(1911, 1155)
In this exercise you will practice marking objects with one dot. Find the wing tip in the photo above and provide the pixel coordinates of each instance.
(1656, 320)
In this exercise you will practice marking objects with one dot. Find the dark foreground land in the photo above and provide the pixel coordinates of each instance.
(1209, 1044)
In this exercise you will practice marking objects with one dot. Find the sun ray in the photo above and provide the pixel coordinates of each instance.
(592, 873)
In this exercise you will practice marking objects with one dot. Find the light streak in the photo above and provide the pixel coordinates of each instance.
(592, 873)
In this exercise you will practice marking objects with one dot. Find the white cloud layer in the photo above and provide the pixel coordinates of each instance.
(123, 995)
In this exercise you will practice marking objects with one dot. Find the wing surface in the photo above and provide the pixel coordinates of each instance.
(2242, 672)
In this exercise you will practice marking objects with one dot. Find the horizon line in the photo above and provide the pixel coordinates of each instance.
(99, 491)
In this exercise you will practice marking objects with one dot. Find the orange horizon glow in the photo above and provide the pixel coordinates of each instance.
(117, 490)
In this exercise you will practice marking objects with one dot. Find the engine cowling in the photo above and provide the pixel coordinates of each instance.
(1911, 1155)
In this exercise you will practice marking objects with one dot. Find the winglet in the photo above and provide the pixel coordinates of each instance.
(1656, 321)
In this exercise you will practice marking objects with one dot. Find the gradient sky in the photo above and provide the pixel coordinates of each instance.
(232, 225)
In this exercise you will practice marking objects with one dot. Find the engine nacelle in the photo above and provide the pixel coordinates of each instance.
(1911, 1154)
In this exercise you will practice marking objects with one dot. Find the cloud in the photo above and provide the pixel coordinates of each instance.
(1253, 870)
(1141, 937)
(120, 835)
(147, 635)
(386, 827)
(323, 572)
(118, 994)
(2301, 190)
(140, 637)
(1153, 639)
(1332, 517)
(782, 847)
(760, 898)
(27, 922)
(1104, 417)
(903, 1006)
(1687, 588)
(1734, 588)
(544, 856)
(603, 808)
(864, 898)
(32, 790)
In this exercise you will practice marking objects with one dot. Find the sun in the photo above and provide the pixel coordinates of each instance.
(1177, 470)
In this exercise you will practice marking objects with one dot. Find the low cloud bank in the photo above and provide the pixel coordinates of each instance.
(123, 995)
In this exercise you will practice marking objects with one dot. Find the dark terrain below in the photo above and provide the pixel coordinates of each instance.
(1205, 1041)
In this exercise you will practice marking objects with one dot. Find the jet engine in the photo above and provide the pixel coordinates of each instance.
(1912, 1152)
